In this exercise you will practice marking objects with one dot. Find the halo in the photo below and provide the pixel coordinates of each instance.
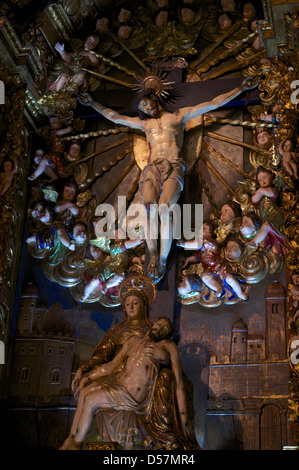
(137, 283)
(154, 82)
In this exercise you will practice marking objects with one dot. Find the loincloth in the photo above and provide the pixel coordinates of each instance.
(119, 398)
(161, 170)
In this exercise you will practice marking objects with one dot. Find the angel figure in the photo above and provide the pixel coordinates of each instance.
(111, 272)
(229, 6)
(230, 220)
(287, 150)
(233, 251)
(225, 22)
(263, 138)
(190, 284)
(66, 209)
(74, 63)
(249, 12)
(57, 236)
(73, 153)
(253, 233)
(216, 274)
(52, 162)
(66, 240)
(274, 113)
(43, 165)
(9, 167)
(264, 199)
(294, 290)
(42, 213)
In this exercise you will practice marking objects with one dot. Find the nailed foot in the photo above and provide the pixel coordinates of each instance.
(153, 267)
(161, 271)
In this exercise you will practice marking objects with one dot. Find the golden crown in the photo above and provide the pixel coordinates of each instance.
(137, 283)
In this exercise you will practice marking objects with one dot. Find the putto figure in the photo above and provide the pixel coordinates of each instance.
(162, 179)
(9, 167)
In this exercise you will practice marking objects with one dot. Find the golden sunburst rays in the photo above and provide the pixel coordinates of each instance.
(203, 65)
(131, 53)
(120, 67)
(110, 79)
(213, 46)
(154, 81)
(113, 162)
(150, 79)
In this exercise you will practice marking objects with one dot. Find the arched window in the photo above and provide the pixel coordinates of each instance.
(275, 308)
(270, 428)
(55, 375)
(24, 375)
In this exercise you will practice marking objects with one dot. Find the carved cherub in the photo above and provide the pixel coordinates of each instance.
(75, 62)
(230, 220)
(42, 212)
(229, 6)
(73, 153)
(43, 165)
(225, 21)
(287, 150)
(249, 12)
(294, 290)
(190, 284)
(253, 232)
(274, 113)
(265, 199)
(52, 161)
(264, 138)
(9, 167)
(113, 268)
(58, 236)
(216, 272)
(233, 250)
(66, 209)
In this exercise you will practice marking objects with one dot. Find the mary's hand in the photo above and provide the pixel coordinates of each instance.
(158, 354)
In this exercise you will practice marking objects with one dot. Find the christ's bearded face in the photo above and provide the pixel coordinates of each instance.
(148, 106)
(159, 330)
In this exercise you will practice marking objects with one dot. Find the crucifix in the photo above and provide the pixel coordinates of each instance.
(162, 179)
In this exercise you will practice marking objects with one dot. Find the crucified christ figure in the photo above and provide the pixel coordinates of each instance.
(162, 179)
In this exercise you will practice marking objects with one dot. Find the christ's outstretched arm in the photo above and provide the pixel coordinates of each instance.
(114, 116)
(191, 112)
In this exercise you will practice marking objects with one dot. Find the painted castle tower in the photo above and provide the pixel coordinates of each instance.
(43, 353)
(248, 384)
